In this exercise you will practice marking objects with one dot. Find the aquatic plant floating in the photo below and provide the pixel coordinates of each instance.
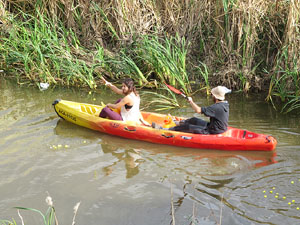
(59, 146)
(276, 196)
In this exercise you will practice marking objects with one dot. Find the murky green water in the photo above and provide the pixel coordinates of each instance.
(120, 181)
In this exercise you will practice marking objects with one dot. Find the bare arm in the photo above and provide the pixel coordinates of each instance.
(112, 87)
(124, 101)
(194, 105)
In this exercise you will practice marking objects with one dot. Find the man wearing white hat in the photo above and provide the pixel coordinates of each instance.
(218, 114)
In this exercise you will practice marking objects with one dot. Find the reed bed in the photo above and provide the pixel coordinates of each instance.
(245, 45)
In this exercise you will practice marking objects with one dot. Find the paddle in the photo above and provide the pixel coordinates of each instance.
(175, 90)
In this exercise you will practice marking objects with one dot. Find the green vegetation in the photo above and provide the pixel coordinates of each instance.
(38, 50)
(246, 46)
(162, 101)
(49, 217)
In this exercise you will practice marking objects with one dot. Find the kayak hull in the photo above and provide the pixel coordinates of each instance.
(86, 115)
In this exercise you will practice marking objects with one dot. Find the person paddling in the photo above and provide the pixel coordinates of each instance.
(129, 105)
(218, 114)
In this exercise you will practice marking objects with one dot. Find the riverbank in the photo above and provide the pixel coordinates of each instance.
(244, 46)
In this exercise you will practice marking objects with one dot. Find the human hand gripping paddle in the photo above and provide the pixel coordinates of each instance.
(225, 90)
(105, 82)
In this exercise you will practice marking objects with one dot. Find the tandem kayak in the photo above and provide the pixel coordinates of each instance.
(87, 115)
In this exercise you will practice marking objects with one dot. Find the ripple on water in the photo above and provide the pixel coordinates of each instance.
(268, 194)
(124, 181)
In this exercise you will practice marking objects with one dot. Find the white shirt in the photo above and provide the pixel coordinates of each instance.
(132, 114)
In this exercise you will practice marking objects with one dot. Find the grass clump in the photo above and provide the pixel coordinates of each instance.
(37, 49)
(49, 217)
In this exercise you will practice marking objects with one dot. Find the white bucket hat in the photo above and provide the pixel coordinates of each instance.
(219, 92)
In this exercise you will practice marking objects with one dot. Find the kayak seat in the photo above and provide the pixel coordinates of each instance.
(88, 109)
(237, 133)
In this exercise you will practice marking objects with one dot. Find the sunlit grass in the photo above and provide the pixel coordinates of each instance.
(204, 73)
(161, 101)
(124, 65)
(150, 61)
(285, 84)
(166, 58)
(41, 51)
(75, 43)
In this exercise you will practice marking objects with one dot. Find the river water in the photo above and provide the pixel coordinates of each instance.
(120, 181)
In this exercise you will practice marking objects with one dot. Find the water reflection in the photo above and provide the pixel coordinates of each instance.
(212, 162)
(200, 178)
(122, 152)
(111, 174)
(130, 157)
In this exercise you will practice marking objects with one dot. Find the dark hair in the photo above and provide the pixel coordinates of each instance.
(130, 84)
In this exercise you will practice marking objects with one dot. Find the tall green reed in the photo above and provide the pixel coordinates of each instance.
(41, 50)
(161, 101)
(204, 73)
(166, 58)
(285, 83)
(151, 57)
(153, 60)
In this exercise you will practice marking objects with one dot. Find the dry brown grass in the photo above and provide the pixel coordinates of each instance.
(239, 37)
(291, 38)
(2, 8)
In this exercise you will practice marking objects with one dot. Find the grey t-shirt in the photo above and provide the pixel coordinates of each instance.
(219, 114)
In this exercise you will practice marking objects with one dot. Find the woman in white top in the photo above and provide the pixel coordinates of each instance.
(129, 105)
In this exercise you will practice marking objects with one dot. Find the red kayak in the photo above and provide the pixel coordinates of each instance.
(86, 115)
